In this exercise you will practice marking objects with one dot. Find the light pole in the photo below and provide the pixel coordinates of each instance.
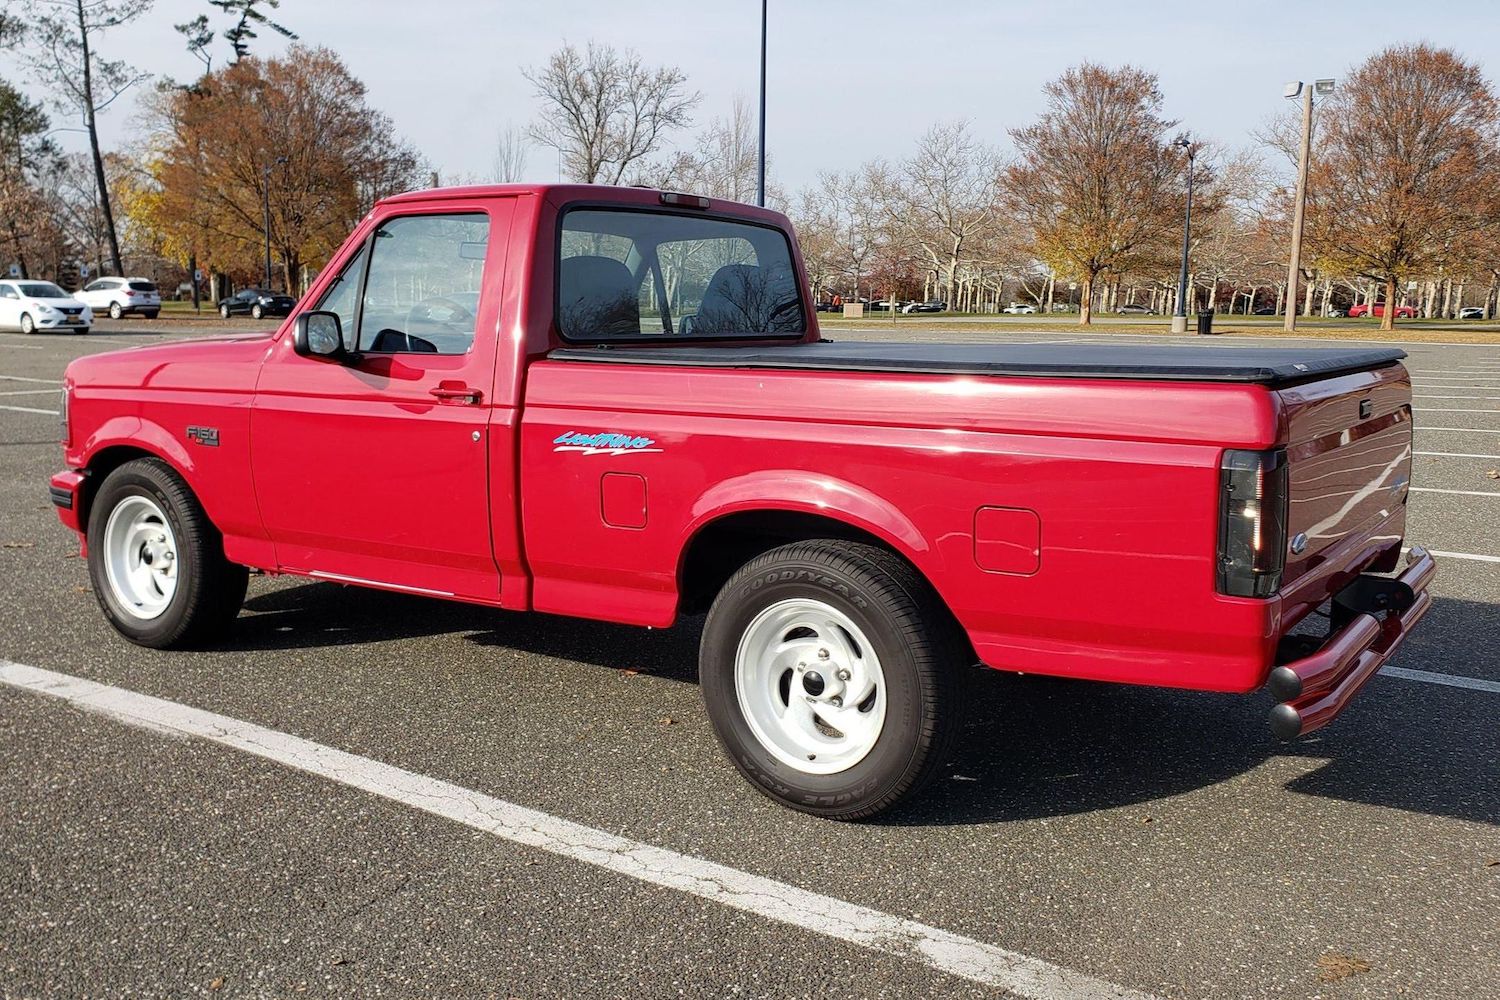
(760, 183)
(1294, 266)
(1179, 316)
(266, 188)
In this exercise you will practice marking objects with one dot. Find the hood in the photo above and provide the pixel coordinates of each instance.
(212, 364)
(66, 302)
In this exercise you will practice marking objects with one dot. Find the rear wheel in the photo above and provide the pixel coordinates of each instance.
(156, 561)
(115, 312)
(150, 315)
(224, 311)
(256, 311)
(27, 326)
(831, 674)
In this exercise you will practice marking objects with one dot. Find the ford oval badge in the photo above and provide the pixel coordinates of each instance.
(1299, 543)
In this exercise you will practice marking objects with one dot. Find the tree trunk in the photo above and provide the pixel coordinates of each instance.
(1086, 300)
(93, 131)
(1388, 321)
(1307, 300)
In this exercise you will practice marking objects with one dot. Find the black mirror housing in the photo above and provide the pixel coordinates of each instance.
(318, 335)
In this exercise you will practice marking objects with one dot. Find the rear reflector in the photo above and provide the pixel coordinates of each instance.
(1252, 522)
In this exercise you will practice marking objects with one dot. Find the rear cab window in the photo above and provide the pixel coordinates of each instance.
(630, 274)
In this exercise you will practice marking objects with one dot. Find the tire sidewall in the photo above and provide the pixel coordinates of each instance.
(128, 481)
(895, 753)
(224, 311)
(28, 325)
(115, 312)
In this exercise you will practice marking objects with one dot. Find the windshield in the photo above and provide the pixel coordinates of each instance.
(641, 274)
(41, 290)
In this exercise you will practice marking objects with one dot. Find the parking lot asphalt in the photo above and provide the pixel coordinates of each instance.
(1153, 840)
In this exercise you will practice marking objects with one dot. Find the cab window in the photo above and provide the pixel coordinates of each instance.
(421, 289)
(630, 274)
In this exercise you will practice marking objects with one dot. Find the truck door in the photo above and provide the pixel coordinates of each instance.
(375, 469)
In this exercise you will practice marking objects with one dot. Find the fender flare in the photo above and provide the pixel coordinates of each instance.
(805, 492)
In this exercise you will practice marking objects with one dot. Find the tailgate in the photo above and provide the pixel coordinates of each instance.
(1349, 445)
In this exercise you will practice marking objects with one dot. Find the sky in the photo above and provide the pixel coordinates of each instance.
(848, 80)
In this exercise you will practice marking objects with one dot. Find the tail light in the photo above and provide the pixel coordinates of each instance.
(62, 413)
(1252, 522)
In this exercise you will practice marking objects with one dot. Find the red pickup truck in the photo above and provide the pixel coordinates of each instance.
(615, 404)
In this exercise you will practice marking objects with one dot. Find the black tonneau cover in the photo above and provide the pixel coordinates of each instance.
(1270, 366)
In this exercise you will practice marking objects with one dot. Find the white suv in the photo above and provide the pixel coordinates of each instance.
(119, 296)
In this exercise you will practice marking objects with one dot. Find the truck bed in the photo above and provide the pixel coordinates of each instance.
(1269, 366)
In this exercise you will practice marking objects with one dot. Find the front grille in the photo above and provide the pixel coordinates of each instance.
(66, 311)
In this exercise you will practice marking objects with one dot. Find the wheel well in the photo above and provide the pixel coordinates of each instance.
(104, 462)
(723, 546)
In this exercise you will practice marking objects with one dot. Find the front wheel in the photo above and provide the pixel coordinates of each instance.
(830, 672)
(27, 325)
(257, 312)
(156, 562)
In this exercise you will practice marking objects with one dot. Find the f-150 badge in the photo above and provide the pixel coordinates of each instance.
(207, 436)
(603, 443)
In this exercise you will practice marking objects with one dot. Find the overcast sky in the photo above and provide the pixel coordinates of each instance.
(849, 79)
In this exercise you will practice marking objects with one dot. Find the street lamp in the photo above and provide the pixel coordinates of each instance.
(1179, 317)
(266, 188)
(1292, 91)
(760, 184)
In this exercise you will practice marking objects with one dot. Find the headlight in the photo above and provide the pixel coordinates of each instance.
(44, 309)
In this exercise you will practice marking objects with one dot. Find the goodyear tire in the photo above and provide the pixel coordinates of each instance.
(156, 562)
(831, 673)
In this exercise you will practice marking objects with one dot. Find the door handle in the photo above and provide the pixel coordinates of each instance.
(456, 392)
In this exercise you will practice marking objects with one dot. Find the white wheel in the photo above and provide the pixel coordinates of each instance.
(810, 686)
(27, 326)
(256, 311)
(140, 557)
(115, 312)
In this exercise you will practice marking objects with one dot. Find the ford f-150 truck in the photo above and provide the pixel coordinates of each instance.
(616, 404)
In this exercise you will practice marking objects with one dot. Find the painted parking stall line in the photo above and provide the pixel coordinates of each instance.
(1446, 680)
(1465, 493)
(29, 409)
(938, 949)
(1454, 454)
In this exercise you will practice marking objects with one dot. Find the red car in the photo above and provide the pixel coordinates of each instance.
(1364, 309)
(615, 404)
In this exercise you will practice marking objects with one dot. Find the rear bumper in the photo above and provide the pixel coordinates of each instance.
(1314, 689)
(66, 490)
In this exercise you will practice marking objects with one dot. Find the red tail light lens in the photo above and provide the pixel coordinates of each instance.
(1252, 522)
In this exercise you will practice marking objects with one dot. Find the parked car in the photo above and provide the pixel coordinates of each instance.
(256, 303)
(183, 292)
(1337, 313)
(1137, 308)
(30, 306)
(122, 297)
(1471, 312)
(1265, 311)
(458, 431)
(1019, 309)
(1363, 309)
(930, 306)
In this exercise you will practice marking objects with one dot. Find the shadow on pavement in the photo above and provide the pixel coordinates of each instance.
(1033, 746)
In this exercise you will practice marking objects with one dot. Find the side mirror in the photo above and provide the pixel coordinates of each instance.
(318, 335)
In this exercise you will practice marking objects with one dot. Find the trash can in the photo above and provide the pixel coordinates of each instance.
(1205, 322)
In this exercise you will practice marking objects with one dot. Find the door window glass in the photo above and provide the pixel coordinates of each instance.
(422, 291)
(342, 296)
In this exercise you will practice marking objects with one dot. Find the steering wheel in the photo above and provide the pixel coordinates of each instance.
(422, 312)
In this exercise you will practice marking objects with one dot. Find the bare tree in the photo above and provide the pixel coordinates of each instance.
(68, 33)
(945, 196)
(511, 153)
(1096, 178)
(1402, 183)
(604, 111)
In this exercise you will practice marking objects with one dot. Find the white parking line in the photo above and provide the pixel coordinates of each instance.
(1448, 680)
(1467, 493)
(1454, 454)
(1429, 395)
(23, 378)
(907, 939)
(1460, 430)
(31, 392)
(1448, 409)
(28, 409)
